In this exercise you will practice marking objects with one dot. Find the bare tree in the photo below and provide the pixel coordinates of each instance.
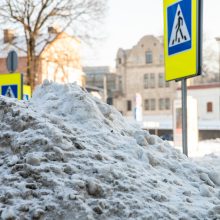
(34, 17)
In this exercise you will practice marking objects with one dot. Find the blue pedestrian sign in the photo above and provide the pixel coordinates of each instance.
(179, 25)
(10, 91)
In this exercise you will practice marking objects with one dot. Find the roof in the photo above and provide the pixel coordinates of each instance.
(19, 44)
(126, 52)
(203, 86)
(102, 70)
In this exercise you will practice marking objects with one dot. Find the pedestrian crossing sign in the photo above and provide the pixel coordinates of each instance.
(182, 38)
(179, 27)
(26, 92)
(10, 91)
(11, 85)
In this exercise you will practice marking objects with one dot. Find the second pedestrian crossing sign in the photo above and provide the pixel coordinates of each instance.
(11, 85)
(182, 38)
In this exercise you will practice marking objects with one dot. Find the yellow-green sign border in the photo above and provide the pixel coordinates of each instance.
(11, 79)
(176, 69)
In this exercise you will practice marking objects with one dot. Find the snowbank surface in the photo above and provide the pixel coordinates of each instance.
(67, 155)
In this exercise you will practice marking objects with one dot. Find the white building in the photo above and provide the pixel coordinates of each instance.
(208, 100)
(141, 70)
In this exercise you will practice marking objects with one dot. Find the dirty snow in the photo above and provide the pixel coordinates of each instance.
(67, 155)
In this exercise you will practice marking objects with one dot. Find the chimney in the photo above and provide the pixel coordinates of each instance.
(8, 36)
(53, 30)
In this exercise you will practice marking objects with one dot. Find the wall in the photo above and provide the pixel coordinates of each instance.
(131, 65)
(59, 62)
(204, 94)
(21, 66)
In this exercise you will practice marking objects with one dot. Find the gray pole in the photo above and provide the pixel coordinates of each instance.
(218, 41)
(105, 88)
(184, 117)
(218, 78)
(219, 70)
(219, 59)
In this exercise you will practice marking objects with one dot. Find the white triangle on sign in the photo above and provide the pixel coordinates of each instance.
(179, 32)
(10, 93)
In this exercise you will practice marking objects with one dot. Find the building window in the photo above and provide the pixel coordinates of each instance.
(152, 104)
(161, 80)
(149, 104)
(149, 57)
(167, 104)
(164, 104)
(161, 59)
(149, 81)
(146, 81)
(209, 107)
(119, 60)
(167, 84)
(152, 80)
(129, 105)
(161, 104)
(120, 83)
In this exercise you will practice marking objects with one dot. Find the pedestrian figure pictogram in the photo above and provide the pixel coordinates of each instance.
(10, 91)
(180, 33)
(178, 28)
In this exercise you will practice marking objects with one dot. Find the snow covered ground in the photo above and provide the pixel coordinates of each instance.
(66, 155)
(207, 147)
(207, 153)
(204, 148)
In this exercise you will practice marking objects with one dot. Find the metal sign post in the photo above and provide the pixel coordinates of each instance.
(183, 47)
(184, 117)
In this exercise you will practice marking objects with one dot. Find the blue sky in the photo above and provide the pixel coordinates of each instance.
(129, 20)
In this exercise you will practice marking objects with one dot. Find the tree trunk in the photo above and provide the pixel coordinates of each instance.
(35, 72)
(32, 63)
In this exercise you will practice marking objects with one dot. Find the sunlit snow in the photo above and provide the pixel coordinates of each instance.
(67, 155)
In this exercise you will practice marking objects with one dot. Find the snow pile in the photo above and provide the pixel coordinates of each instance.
(67, 155)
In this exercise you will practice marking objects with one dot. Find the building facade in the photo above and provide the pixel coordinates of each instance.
(60, 61)
(141, 69)
(208, 105)
(145, 91)
(105, 79)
